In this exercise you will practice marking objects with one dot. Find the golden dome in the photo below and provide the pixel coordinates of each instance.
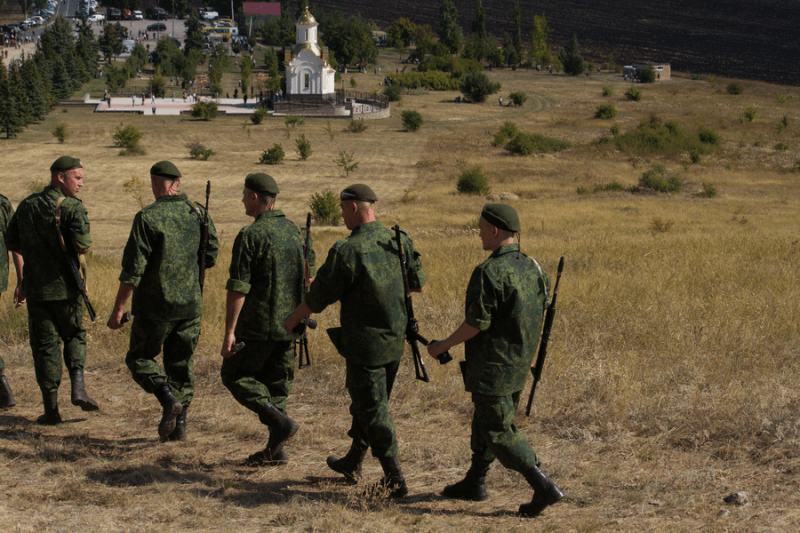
(306, 18)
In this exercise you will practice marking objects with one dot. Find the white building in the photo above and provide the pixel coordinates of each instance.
(307, 70)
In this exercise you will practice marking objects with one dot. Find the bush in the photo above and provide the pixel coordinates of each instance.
(412, 121)
(506, 132)
(294, 120)
(198, 151)
(782, 146)
(356, 126)
(661, 226)
(647, 74)
(525, 144)
(61, 132)
(656, 179)
(303, 147)
(127, 138)
(735, 88)
(614, 130)
(393, 93)
(259, 115)
(695, 156)
(205, 110)
(325, 207)
(708, 136)
(353, 82)
(606, 111)
(750, 114)
(432, 80)
(272, 156)
(518, 98)
(709, 191)
(455, 66)
(347, 162)
(472, 181)
(608, 90)
(633, 94)
(656, 137)
(476, 87)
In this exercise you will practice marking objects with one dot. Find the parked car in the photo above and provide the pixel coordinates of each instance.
(137, 15)
(209, 15)
(126, 14)
(97, 17)
(112, 13)
(158, 26)
(157, 13)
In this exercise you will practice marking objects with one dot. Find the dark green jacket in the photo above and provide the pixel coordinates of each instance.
(506, 299)
(6, 212)
(46, 275)
(267, 266)
(363, 272)
(161, 259)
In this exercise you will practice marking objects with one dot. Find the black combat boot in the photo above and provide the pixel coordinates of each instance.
(393, 477)
(179, 433)
(473, 486)
(267, 458)
(79, 396)
(545, 492)
(350, 464)
(281, 429)
(172, 408)
(6, 396)
(50, 416)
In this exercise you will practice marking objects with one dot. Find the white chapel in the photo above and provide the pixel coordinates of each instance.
(307, 68)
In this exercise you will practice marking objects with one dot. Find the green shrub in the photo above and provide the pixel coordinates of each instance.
(782, 146)
(347, 162)
(661, 226)
(525, 144)
(273, 156)
(709, 191)
(614, 130)
(796, 167)
(657, 179)
(608, 90)
(708, 136)
(61, 132)
(781, 98)
(453, 65)
(647, 74)
(735, 88)
(605, 111)
(205, 110)
(412, 121)
(507, 131)
(198, 151)
(476, 87)
(472, 181)
(750, 113)
(259, 115)
(614, 186)
(303, 147)
(393, 93)
(356, 126)
(294, 120)
(127, 138)
(655, 137)
(353, 82)
(518, 98)
(633, 94)
(695, 156)
(325, 208)
(432, 80)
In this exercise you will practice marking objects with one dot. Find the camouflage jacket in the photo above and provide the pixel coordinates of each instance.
(46, 275)
(506, 298)
(161, 259)
(267, 266)
(363, 272)
(6, 212)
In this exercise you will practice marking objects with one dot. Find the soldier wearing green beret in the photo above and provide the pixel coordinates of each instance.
(160, 267)
(363, 272)
(506, 298)
(267, 276)
(55, 308)
(6, 212)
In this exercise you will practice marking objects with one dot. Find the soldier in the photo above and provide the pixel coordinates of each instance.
(506, 298)
(6, 212)
(363, 272)
(266, 284)
(55, 309)
(160, 268)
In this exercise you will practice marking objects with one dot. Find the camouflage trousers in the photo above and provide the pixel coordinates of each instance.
(2, 366)
(261, 373)
(372, 425)
(179, 339)
(49, 323)
(495, 436)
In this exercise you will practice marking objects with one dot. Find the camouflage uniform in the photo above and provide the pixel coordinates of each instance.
(506, 298)
(161, 261)
(55, 307)
(363, 271)
(267, 266)
(6, 212)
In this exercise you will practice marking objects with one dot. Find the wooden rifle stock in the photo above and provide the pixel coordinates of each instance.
(306, 322)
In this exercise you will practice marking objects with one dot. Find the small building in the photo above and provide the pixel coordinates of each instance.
(307, 70)
(379, 37)
(631, 72)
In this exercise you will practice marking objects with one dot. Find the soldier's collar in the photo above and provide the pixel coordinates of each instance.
(271, 214)
(505, 249)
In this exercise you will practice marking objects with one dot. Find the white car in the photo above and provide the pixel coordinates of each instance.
(137, 15)
(37, 20)
(97, 17)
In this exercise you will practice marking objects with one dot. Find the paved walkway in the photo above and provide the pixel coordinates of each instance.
(166, 106)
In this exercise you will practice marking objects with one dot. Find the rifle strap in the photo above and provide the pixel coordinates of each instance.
(539, 268)
(81, 257)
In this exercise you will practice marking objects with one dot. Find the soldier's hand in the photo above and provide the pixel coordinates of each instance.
(19, 298)
(290, 325)
(227, 346)
(435, 349)
(115, 320)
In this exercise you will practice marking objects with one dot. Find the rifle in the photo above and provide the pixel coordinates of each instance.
(204, 241)
(305, 322)
(549, 315)
(412, 327)
(73, 262)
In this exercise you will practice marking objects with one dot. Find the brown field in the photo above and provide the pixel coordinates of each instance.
(672, 380)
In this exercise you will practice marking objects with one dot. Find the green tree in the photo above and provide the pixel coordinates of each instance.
(247, 70)
(302, 5)
(571, 58)
(402, 32)
(115, 77)
(195, 40)
(517, 29)
(540, 51)
(271, 62)
(35, 90)
(111, 41)
(448, 29)
(86, 47)
(476, 87)
(11, 122)
(479, 24)
(350, 39)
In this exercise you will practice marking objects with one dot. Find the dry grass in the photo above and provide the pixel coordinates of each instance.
(671, 382)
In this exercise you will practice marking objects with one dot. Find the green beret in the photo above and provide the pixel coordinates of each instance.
(261, 183)
(360, 192)
(65, 163)
(166, 170)
(501, 216)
